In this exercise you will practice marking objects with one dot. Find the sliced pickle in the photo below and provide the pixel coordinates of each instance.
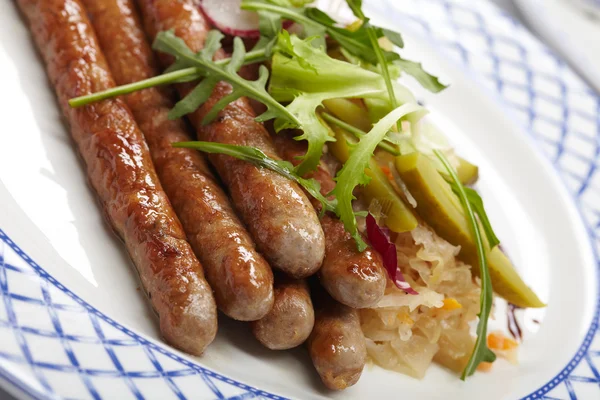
(467, 173)
(349, 112)
(441, 209)
(398, 217)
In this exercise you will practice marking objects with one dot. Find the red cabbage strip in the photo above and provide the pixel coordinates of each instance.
(380, 240)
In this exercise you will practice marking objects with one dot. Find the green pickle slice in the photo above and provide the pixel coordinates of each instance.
(467, 173)
(440, 208)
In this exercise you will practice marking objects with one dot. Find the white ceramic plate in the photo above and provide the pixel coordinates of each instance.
(73, 325)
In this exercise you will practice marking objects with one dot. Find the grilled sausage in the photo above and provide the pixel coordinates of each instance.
(291, 319)
(120, 170)
(275, 210)
(337, 345)
(353, 278)
(240, 277)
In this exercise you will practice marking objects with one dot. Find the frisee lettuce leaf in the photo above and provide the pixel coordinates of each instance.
(305, 76)
(353, 174)
(481, 352)
(357, 42)
(260, 159)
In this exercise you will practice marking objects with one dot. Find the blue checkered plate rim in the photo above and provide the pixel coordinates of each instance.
(476, 34)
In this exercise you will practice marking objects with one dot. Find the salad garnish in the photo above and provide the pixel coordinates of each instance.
(386, 144)
(481, 352)
(356, 41)
(353, 174)
(260, 159)
(304, 75)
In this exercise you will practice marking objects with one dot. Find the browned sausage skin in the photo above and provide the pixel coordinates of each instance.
(336, 345)
(240, 277)
(276, 211)
(291, 319)
(120, 170)
(356, 279)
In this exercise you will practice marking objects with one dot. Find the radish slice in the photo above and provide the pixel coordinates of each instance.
(228, 17)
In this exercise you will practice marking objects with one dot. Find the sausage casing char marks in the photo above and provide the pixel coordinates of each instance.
(240, 277)
(356, 279)
(120, 170)
(336, 345)
(276, 211)
(291, 319)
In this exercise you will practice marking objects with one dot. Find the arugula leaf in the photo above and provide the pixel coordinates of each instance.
(269, 24)
(425, 79)
(356, 6)
(353, 174)
(481, 352)
(387, 144)
(194, 99)
(477, 204)
(214, 72)
(260, 159)
(287, 10)
(394, 37)
(357, 42)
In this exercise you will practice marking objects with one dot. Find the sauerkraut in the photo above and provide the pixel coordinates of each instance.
(405, 333)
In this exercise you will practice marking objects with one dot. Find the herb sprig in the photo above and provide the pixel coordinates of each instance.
(353, 174)
(477, 204)
(357, 42)
(182, 75)
(386, 144)
(350, 176)
(481, 352)
(356, 7)
(260, 159)
(169, 43)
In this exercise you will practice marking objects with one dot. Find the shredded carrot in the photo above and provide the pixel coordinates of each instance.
(451, 303)
(497, 341)
(388, 173)
(484, 366)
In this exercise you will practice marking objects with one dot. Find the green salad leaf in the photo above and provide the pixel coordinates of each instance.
(353, 174)
(425, 79)
(305, 76)
(356, 7)
(357, 42)
(386, 144)
(477, 204)
(481, 352)
(260, 159)
(169, 43)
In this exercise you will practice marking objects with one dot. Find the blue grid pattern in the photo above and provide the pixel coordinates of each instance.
(553, 104)
(595, 3)
(101, 351)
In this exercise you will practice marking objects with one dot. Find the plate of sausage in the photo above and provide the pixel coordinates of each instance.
(293, 199)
